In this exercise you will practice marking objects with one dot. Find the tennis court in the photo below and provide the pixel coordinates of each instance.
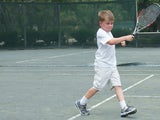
(44, 84)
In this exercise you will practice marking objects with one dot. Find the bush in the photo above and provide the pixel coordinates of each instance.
(48, 38)
(10, 39)
(84, 36)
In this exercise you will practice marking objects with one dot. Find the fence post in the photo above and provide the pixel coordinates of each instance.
(59, 26)
(24, 28)
(58, 23)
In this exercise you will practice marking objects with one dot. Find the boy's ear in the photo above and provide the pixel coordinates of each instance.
(100, 22)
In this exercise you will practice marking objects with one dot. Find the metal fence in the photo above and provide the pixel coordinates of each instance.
(29, 25)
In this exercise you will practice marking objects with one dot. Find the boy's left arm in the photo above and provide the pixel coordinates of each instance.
(123, 43)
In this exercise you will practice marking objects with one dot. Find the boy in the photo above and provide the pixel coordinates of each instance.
(105, 65)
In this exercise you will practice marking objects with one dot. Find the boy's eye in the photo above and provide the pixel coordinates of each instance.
(109, 23)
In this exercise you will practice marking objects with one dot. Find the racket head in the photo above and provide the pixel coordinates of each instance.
(147, 16)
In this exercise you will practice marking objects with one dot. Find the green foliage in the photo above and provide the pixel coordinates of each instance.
(36, 38)
(144, 3)
(84, 36)
(10, 39)
(55, 23)
(121, 32)
(148, 40)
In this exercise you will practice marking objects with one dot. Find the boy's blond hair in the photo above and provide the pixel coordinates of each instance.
(105, 15)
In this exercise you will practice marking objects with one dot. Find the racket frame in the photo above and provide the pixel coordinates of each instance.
(137, 29)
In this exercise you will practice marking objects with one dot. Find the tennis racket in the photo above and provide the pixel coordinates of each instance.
(146, 17)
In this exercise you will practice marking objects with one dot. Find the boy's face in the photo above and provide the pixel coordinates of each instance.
(106, 25)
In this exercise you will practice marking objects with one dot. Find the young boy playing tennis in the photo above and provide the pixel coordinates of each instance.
(105, 65)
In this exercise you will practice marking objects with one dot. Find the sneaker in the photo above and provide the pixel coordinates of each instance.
(130, 110)
(82, 108)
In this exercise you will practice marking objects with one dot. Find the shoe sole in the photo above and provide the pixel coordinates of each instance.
(129, 113)
(133, 112)
(76, 104)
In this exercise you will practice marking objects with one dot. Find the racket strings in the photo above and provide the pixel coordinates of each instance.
(149, 15)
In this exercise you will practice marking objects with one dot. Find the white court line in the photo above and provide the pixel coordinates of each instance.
(111, 97)
(138, 83)
(139, 70)
(52, 57)
(68, 74)
(141, 96)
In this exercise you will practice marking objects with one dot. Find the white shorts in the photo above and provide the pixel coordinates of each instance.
(104, 76)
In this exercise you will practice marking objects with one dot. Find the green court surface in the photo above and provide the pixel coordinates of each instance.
(44, 84)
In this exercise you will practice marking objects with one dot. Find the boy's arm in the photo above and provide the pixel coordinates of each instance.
(114, 41)
(123, 43)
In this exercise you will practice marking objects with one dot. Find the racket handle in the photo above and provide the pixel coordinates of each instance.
(133, 34)
(127, 42)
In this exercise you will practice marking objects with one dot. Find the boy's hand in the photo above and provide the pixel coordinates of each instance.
(129, 37)
(123, 43)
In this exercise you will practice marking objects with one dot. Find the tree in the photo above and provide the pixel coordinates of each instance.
(144, 3)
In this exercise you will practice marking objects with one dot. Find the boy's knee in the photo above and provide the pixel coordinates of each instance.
(98, 87)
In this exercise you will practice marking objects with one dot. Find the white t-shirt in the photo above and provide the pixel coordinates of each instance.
(105, 54)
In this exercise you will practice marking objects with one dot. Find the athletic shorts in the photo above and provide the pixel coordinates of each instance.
(105, 76)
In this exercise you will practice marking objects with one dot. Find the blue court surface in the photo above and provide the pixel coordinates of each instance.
(44, 84)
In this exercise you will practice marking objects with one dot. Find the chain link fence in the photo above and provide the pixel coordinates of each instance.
(68, 24)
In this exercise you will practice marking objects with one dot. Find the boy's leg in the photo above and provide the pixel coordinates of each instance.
(100, 80)
(120, 96)
(81, 105)
(91, 92)
(115, 80)
(125, 110)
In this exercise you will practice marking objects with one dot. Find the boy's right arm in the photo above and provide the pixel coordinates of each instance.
(114, 41)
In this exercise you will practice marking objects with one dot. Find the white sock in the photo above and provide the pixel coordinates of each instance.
(123, 104)
(83, 101)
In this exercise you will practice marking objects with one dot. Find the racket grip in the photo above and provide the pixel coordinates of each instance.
(133, 34)
(127, 42)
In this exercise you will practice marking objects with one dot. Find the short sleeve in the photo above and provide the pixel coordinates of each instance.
(102, 36)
